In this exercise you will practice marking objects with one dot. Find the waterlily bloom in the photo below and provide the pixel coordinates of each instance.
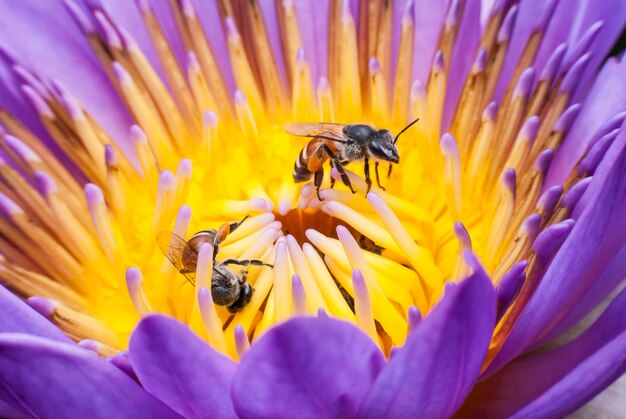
(449, 286)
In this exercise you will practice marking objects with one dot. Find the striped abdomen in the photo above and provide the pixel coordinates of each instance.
(310, 160)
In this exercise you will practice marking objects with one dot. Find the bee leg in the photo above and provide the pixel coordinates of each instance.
(368, 179)
(317, 181)
(389, 171)
(246, 262)
(378, 177)
(233, 226)
(243, 277)
(344, 177)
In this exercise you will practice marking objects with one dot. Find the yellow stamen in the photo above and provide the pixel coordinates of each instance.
(212, 323)
(298, 295)
(100, 219)
(393, 323)
(199, 86)
(452, 176)
(313, 294)
(400, 106)
(378, 91)
(282, 283)
(135, 291)
(302, 89)
(76, 325)
(347, 69)
(325, 101)
(337, 305)
(241, 341)
(291, 39)
(242, 69)
(145, 114)
(418, 257)
(363, 306)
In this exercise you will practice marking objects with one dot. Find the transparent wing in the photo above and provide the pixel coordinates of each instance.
(180, 253)
(327, 130)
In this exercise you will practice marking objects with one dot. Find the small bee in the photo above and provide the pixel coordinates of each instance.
(342, 144)
(227, 288)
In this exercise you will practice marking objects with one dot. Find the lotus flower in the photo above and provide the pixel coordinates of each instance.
(479, 278)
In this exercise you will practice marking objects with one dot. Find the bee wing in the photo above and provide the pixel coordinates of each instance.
(327, 130)
(175, 247)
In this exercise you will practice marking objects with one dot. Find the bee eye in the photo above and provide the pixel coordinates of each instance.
(376, 149)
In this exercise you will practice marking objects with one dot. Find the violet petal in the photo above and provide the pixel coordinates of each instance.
(307, 367)
(51, 44)
(176, 366)
(75, 382)
(429, 16)
(17, 316)
(313, 23)
(441, 359)
(463, 56)
(582, 384)
(589, 247)
(527, 378)
(606, 99)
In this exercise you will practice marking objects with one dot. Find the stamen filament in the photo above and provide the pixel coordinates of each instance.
(337, 305)
(400, 105)
(393, 323)
(242, 344)
(325, 102)
(363, 306)
(212, 323)
(100, 219)
(134, 281)
(314, 298)
(417, 256)
(452, 176)
(282, 284)
(346, 72)
(298, 295)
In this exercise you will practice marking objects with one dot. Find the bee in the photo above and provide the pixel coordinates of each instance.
(342, 144)
(228, 288)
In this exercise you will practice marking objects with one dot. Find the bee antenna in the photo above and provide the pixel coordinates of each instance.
(404, 129)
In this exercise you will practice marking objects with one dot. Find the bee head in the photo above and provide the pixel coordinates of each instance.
(383, 147)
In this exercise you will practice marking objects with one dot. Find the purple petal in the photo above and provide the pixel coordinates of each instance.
(588, 249)
(308, 367)
(591, 377)
(441, 359)
(527, 378)
(606, 99)
(604, 284)
(270, 17)
(176, 366)
(529, 14)
(126, 15)
(6, 411)
(43, 378)
(17, 316)
(209, 16)
(463, 55)
(429, 15)
(613, 16)
(313, 22)
(51, 44)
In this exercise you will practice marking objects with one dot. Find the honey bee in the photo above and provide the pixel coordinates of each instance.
(227, 287)
(342, 144)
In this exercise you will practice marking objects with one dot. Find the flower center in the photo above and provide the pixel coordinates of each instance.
(208, 151)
